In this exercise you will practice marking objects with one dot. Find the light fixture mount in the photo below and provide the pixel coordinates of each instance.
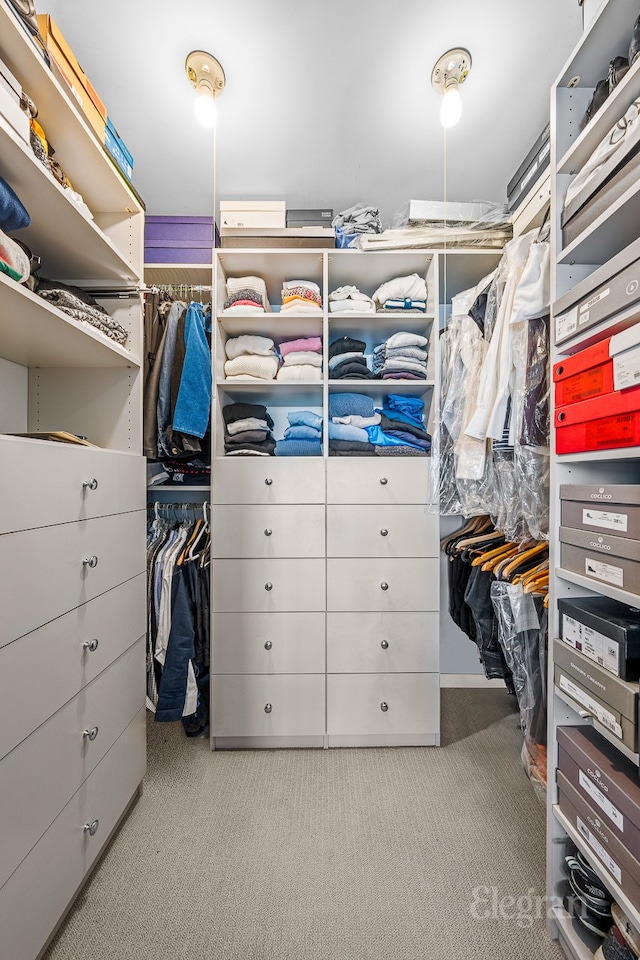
(205, 73)
(452, 67)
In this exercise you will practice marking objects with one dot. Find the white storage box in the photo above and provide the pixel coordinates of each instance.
(253, 213)
(429, 211)
(10, 96)
(624, 347)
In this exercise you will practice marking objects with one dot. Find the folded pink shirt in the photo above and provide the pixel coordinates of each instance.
(304, 343)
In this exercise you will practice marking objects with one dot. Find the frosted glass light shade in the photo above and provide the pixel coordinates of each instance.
(451, 107)
(205, 109)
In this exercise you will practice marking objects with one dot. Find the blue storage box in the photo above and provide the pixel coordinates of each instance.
(116, 147)
(179, 239)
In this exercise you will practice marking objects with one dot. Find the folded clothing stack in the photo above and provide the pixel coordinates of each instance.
(303, 436)
(402, 357)
(348, 415)
(401, 295)
(247, 429)
(301, 359)
(347, 360)
(246, 295)
(301, 296)
(401, 428)
(250, 358)
(349, 298)
(81, 306)
(193, 472)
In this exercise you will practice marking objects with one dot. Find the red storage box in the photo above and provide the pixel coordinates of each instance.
(586, 374)
(599, 425)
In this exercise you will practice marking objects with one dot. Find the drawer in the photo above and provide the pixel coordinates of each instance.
(50, 561)
(279, 706)
(293, 530)
(383, 642)
(382, 584)
(268, 480)
(50, 875)
(383, 530)
(48, 666)
(356, 704)
(45, 483)
(268, 643)
(264, 586)
(45, 770)
(378, 480)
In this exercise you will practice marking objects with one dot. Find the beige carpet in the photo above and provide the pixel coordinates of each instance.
(324, 855)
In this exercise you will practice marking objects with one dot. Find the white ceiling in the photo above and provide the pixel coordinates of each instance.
(326, 104)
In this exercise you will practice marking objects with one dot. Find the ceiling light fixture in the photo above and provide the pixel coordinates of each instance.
(207, 76)
(447, 76)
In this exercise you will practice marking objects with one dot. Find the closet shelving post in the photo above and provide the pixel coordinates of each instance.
(576, 267)
(72, 521)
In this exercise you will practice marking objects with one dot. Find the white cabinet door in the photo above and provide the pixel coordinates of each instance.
(268, 643)
(378, 479)
(58, 568)
(382, 584)
(52, 872)
(268, 480)
(48, 666)
(383, 642)
(383, 704)
(46, 483)
(250, 530)
(267, 586)
(279, 706)
(63, 752)
(402, 530)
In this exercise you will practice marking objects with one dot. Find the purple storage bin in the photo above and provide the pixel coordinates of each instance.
(179, 239)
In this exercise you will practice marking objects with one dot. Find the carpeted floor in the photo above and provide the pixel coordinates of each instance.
(325, 855)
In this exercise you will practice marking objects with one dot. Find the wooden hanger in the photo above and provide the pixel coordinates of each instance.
(523, 558)
(526, 575)
(507, 551)
(477, 540)
(474, 525)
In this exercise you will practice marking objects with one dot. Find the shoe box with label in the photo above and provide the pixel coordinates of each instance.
(605, 631)
(599, 792)
(600, 533)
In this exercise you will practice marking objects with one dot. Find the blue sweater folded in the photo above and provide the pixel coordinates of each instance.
(298, 448)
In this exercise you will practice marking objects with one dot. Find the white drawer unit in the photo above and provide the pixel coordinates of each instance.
(259, 531)
(268, 643)
(68, 565)
(378, 480)
(266, 586)
(264, 706)
(268, 480)
(382, 642)
(46, 483)
(50, 875)
(382, 704)
(64, 751)
(382, 530)
(49, 666)
(382, 584)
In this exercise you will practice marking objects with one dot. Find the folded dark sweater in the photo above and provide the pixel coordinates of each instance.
(266, 446)
(346, 345)
(409, 439)
(351, 448)
(390, 425)
(404, 375)
(242, 411)
(246, 436)
(352, 368)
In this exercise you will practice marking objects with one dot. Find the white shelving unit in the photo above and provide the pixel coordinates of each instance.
(71, 521)
(576, 266)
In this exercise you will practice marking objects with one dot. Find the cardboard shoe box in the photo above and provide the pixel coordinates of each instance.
(253, 213)
(605, 631)
(318, 217)
(581, 426)
(610, 700)
(612, 508)
(624, 348)
(605, 779)
(614, 560)
(531, 168)
(586, 374)
(10, 103)
(179, 239)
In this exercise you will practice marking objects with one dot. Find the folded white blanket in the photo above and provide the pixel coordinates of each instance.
(413, 287)
(341, 293)
(247, 343)
(249, 423)
(264, 368)
(303, 356)
(300, 371)
(355, 421)
(353, 306)
(404, 339)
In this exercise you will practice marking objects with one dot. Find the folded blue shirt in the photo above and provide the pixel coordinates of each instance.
(302, 432)
(305, 417)
(379, 438)
(350, 404)
(344, 431)
(298, 448)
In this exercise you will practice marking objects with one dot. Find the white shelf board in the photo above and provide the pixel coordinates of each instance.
(34, 333)
(465, 268)
(380, 325)
(608, 35)
(606, 877)
(71, 245)
(78, 150)
(602, 730)
(575, 940)
(614, 107)
(596, 456)
(631, 599)
(412, 388)
(272, 325)
(609, 233)
(172, 274)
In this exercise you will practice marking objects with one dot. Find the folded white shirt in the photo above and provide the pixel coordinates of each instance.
(412, 287)
(299, 371)
(247, 343)
(303, 356)
(355, 421)
(355, 306)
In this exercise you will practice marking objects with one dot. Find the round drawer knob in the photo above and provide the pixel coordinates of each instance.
(90, 734)
(268, 645)
(561, 417)
(268, 481)
(384, 706)
(268, 708)
(268, 586)
(384, 481)
(384, 586)
(384, 532)
(268, 532)
(90, 484)
(384, 644)
(90, 645)
(91, 828)
(90, 562)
